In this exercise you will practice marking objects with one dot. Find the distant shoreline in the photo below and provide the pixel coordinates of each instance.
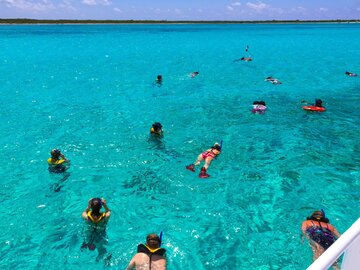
(33, 21)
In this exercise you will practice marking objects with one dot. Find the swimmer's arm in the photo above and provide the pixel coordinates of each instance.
(84, 214)
(336, 232)
(303, 228)
(107, 209)
(131, 264)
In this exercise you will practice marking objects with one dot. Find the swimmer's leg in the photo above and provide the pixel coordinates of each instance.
(191, 167)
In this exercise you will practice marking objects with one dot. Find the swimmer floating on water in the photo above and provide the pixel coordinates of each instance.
(320, 234)
(259, 107)
(207, 156)
(150, 255)
(158, 80)
(58, 162)
(317, 107)
(194, 74)
(350, 74)
(96, 221)
(156, 129)
(273, 80)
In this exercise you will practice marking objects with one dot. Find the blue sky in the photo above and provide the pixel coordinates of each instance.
(181, 9)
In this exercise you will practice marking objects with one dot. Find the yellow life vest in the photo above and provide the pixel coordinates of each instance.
(145, 249)
(152, 130)
(102, 215)
(57, 162)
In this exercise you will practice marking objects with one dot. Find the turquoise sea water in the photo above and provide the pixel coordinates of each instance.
(88, 90)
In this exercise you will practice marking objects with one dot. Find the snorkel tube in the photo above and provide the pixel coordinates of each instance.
(160, 236)
(323, 212)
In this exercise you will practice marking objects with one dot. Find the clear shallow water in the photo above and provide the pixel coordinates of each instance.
(89, 91)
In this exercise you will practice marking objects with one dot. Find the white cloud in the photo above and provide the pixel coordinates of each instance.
(236, 4)
(117, 10)
(258, 6)
(96, 2)
(39, 6)
(323, 9)
(230, 8)
(263, 8)
(298, 9)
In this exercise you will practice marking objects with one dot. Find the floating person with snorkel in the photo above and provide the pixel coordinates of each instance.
(207, 156)
(150, 255)
(96, 225)
(350, 74)
(320, 233)
(272, 80)
(244, 58)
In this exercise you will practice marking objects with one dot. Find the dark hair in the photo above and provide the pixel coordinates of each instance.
(318, 102)
(255, 102)
(157, 126)
(262, 103)
(159, 77)
(55, 152)
(318, 216)
(96, 204)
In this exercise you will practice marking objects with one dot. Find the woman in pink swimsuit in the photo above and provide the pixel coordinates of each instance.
(207, 156)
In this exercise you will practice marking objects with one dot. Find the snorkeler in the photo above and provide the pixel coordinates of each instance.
(350, 74)
(273, 80)
(159, 80)
(207, 156)
(149, 256)
(58, 162)
(156, 129)
(318, 103)
(194, 74)
(246, 59)
(320, 233)
(259, 107)
(96, 221)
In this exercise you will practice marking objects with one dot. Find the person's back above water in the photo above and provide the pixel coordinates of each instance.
(149, 256)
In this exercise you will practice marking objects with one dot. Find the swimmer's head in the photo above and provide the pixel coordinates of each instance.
(318, 102)
(153, 241)
(159, 77)
(55, 153)
(262, 103)
(96, 204)
(157, 126)
(255, 102)
(217, 146)
(318, 216)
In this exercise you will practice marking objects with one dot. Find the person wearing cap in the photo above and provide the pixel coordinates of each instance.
(149, 256)
(96, 221)
(58, 162)
(320, 234)
(156, 129)
(206, 156)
